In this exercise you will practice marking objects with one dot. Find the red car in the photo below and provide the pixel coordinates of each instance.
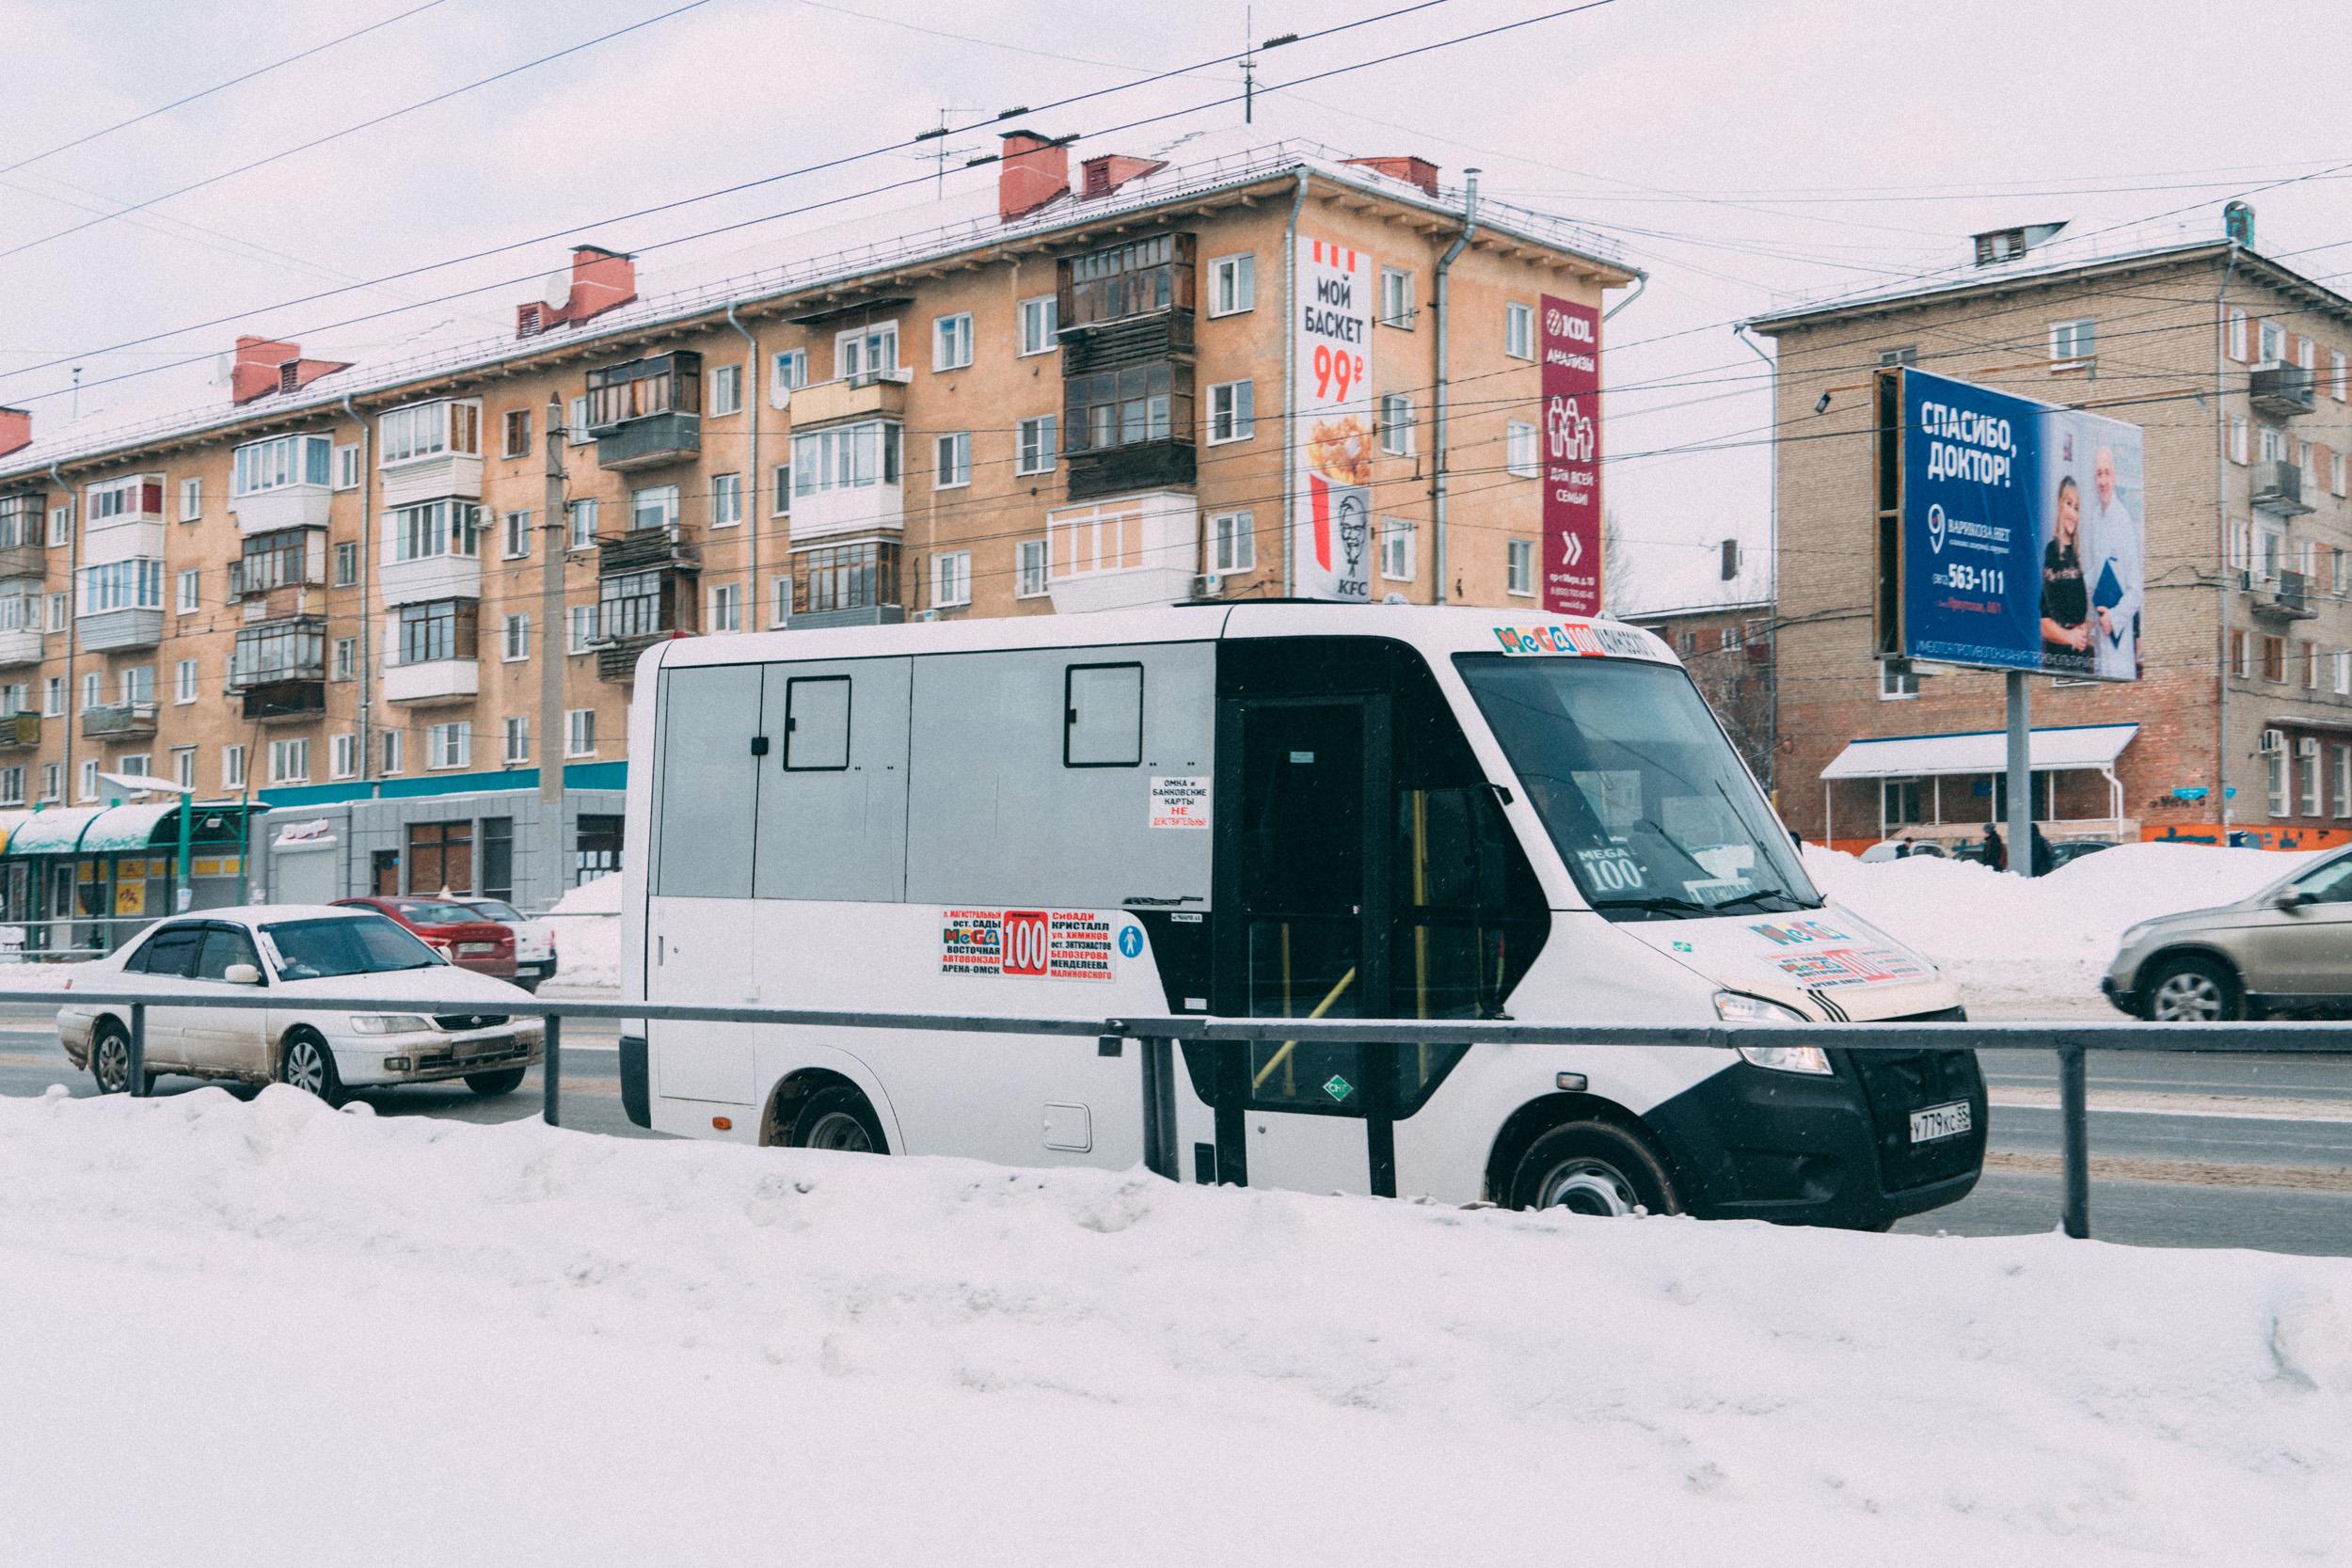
(469, 939)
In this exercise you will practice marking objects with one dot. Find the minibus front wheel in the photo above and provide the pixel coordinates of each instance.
(820, 1110)
(1594, 1168)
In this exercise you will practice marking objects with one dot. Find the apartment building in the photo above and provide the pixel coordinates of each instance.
(324, 594)
(1728, 648)
(2235, 366)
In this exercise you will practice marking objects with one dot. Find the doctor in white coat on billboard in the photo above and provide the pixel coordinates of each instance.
(2111, 574)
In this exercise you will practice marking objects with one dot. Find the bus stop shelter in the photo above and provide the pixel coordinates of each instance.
(81, 880)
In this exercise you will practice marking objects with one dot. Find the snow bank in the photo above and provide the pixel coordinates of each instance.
(2014, 938)
(588, 936)
(267, 1333)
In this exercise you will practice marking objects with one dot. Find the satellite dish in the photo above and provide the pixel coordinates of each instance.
(779, 395)
(555, 289)
(222, 370)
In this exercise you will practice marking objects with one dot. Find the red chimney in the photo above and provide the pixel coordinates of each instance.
(16, 430)
(1413, 171)
(601, 281)
(263, 367)
(1105, 174)
(1031, 172)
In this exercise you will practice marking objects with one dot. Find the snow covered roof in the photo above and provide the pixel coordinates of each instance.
(1980, 751)
(843, 256)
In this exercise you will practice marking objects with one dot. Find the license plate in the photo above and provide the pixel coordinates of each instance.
(1941, 1121)
(477, 949)
(504, 1043)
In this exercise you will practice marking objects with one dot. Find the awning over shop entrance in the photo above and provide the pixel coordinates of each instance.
(52, 832)
(1922, 756)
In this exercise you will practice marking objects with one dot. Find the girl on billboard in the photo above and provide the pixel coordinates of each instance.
(2065, 602)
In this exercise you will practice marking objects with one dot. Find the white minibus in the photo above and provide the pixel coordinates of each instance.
(1263, 810)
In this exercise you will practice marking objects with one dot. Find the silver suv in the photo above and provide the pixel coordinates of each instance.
(2287, 948)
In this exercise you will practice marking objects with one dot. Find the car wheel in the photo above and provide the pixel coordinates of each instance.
(1594, 1168)
(307, 1065)
(838, 1118)
(491, 1085)
(2193, 990)
(110, 1060)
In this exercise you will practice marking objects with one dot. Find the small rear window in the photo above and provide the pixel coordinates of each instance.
(440, 914)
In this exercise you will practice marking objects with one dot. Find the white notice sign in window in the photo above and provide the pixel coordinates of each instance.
(1182, 803)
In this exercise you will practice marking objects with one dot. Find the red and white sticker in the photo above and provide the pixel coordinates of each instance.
(1179, 802)
(1045, 944)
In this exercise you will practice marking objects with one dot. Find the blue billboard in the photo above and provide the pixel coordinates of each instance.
(2021, 533)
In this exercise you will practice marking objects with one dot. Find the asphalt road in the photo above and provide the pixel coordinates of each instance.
(2211, 1151)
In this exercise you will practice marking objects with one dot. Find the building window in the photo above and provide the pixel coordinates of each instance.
(93, 689)
(1232, 412)
(951, 579)
(726, 607)
(727, 500)
(53, 617)
(289, 761)
(865, 352)
(347, 466)
(60, 525)
(2335, 472)
(2274, 650)
(1039, 325)
(449, 745)
(951, 464)
(1396, 424)
(138, 686)
(845, 457)
(2342, 803)
(428, 430)
(517, 731)
(183, 682)
(1518, 330)
(2237, 334)
(2238, 665)
(432, 633)
(2306, 753)
(346, 565)
(395, 751)
(779, 498)
(440, 857)
(260, 467)
(51, 780)
(517, 427)
(1233, 543)
(655, 506)
(11, 787)
(726, 390)
(597, 847)
(183, 767)
(448, 528)
(580, 628)
(2343, 661)
(191, 592)
(1034, 454)
(53, 696)
(1132, 279)
(641, 389)
(515, 639)
(1519, 448)
(580, 732)
(89, 781)
(582, 533)
(347, 658)
(2311, 666)
(123, 585)
(576, 432)
(2274, 343)
(951, 341)
(515, 536)
(1032, 579)
(1396, 549)
(1232, 285)
(342, 760)
(846, 577)
(787, 372)
(2072, 343)
(1125, 407)
(2237, 441)
(1897, 680)
(191, 499)
(1907, 354)
(1518, 570)
(1396, 297)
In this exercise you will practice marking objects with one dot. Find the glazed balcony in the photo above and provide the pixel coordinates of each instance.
(118, 721)
(2285, 390)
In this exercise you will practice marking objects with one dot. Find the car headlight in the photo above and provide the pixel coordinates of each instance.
(1734, 1008)
(389, 1024)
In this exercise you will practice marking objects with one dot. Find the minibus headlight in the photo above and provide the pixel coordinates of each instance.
(1734, 1008)
(389, 1024)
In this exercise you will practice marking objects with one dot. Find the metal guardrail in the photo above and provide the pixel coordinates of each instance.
(1158, 1035)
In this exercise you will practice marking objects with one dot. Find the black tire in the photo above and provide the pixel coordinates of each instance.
(838, 1118)
(1594, 1168)
(305, 1063)
(110, 1060)
(491, 1085)
(532, 984)
(2192, 989)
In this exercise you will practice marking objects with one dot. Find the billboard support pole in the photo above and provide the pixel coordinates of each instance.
(2020, 777)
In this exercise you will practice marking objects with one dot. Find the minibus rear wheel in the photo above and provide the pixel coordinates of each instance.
(1594, 1168)
(837, 1117)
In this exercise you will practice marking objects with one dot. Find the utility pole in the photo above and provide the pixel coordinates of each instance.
(552, 531)
(1249, 67)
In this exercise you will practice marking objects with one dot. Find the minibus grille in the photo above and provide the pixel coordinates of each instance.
(1897, 1083)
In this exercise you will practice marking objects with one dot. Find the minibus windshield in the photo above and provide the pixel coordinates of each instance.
(1634, 781)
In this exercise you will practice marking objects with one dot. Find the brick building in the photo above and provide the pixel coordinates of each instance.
(322, 592)
(1728, 649)
(2234, 366)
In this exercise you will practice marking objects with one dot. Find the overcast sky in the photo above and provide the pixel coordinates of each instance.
(1741, 154)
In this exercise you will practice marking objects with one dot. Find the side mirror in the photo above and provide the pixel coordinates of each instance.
(2292, 900)
(241, 975)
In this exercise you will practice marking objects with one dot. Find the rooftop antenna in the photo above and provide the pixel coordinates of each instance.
(77, 391)
(941, 153)
(1248, 68)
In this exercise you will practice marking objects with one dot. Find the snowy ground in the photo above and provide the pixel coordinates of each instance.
(2020, 947)
(588, 937)
(267, 1333)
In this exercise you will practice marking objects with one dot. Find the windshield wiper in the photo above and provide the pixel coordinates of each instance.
(1795, 902)
(1663, 904)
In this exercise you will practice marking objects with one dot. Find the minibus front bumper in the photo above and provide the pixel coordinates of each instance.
(1753, 1143)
